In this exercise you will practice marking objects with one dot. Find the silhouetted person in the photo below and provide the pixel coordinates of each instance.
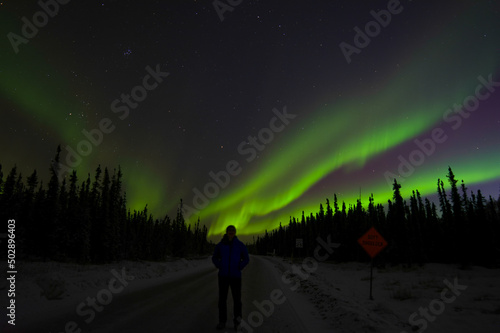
(230, 257)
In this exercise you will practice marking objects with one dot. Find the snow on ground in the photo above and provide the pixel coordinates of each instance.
(51, 288)
(306, 317)
(422, 295)
(330, 295)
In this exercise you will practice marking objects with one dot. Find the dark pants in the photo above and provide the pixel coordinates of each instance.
(224, 284)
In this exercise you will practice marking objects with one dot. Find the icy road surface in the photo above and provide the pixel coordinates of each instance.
(184, 303)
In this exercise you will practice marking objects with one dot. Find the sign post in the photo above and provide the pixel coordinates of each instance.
(373, 243)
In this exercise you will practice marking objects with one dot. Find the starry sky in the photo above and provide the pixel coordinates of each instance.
(253, 111)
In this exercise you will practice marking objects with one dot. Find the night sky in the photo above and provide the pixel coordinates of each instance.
(256, 111)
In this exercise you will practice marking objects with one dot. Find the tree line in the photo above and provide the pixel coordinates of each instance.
(89, 222)
(465, 230)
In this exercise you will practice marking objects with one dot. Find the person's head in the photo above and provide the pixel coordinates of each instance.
(231, 232)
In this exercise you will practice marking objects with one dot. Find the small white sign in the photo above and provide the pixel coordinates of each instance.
(299, 243)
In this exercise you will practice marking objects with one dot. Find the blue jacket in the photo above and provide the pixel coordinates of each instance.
(230, 257)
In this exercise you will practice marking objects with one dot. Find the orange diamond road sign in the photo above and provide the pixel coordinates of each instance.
(372, 242)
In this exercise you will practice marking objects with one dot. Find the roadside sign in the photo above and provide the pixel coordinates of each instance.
(299, 243)
(372, 242)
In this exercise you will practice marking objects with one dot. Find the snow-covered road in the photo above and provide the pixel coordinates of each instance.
(182, 303)
(181, 296)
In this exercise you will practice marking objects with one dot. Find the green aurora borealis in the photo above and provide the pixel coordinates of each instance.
(343, 139)
(353, 134)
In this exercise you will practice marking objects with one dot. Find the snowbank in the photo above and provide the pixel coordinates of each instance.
(432, 298)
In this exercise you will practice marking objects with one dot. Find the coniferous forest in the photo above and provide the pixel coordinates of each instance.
(463, 229)
(88, 221)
